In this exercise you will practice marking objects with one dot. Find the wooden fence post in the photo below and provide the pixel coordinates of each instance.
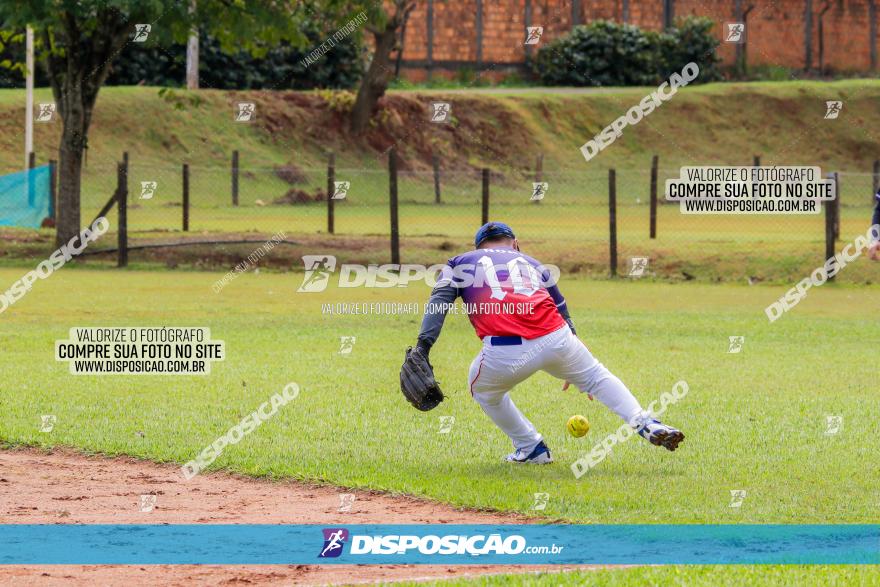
(186, 197)
(122, 209)
(539, 173)
(485, 207)
(836, 206)
(392, 186)
(235, 178)
(612, 219)
(435, 161)
(331, 189)
(876, 178)
(829, 232)
(654, 165)
(53, 193)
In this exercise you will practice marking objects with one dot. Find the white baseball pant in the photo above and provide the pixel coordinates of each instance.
(499, 367)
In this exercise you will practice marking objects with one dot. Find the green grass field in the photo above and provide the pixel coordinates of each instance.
(754, 420)
(691, 576)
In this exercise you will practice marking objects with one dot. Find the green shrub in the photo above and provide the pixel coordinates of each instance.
(691, 40)
(605, 53)
(602, 53)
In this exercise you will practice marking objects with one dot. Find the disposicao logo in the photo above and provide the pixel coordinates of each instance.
(334, 540)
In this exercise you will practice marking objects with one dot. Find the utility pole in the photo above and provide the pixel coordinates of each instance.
(29, 96)
(192, 55)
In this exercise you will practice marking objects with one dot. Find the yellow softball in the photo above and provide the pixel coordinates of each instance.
(577, 426)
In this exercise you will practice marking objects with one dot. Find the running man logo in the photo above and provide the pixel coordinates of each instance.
(148, 189)
(141, 33)
(346, 500)
(832, 109)
(735, 344)
(148, 502)
(45, 112)
(541, 501)
(245, 111)
(833, 424)
(346, 344)
(533, 34)
(737, 497)
(736, 32)
(47, 422)
(318, 270)
(638, 266)
(446, 423)
(440, 111)
(340, 189)
(334, 541)
(539, 190)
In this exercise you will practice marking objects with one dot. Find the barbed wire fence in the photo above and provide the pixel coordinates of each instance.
(560, 216)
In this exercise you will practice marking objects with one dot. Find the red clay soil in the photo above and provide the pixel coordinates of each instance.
(64, 487)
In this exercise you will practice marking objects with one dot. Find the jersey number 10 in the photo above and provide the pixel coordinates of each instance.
(515, 270)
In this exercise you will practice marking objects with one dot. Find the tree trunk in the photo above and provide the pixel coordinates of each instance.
(70, 167)
(375, 81)
(77, 65)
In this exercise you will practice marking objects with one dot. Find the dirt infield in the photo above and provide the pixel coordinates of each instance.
(64, 487)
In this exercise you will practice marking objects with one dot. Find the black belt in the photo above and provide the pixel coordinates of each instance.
(505, 340)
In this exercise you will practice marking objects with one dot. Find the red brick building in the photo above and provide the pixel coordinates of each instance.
(443, 36)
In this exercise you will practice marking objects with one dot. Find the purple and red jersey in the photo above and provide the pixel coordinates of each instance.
(506, 293)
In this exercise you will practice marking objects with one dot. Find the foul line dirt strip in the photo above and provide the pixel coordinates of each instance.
(65, 487)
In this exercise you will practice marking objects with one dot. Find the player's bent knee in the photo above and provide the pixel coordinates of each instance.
(488, 399)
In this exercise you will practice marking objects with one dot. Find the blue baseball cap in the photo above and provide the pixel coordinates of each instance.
(492, 230)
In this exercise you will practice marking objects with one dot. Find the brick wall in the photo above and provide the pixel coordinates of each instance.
(776, 31)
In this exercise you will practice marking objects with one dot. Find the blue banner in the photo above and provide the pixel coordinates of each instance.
(25, 199)
(26, 544)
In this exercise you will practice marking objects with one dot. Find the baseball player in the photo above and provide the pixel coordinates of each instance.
(525, 327)
(874, 249)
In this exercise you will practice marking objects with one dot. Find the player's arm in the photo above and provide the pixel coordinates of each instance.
(874, 249)
(442, 298)
(561, 306)
(558, 299)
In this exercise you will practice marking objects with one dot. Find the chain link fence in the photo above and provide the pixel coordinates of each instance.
(560, 216)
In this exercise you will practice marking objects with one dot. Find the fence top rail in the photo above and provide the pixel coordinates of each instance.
(382, 169)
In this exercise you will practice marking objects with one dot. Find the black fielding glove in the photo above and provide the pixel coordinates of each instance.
(417, 379)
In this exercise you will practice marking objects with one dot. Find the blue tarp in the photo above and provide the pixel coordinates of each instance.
(25, 199)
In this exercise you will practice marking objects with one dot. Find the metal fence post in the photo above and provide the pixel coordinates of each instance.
(653, 222)
(612, 219)
(392, 186)
(331, 189)
(186, 197)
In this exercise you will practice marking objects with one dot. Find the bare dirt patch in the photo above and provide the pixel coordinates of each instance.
(64, 487)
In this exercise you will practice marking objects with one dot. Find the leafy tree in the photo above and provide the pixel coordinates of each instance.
(386, 30)
(79, 39)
